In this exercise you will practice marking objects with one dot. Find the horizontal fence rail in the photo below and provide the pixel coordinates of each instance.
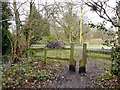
(58, 58)
(37, 49)
(105, 55)
(99, 57)
(99, 52)
(45, 49)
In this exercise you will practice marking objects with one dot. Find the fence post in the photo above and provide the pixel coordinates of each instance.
(112, 58)
(82, 63)
(72, 65)
(45, 57)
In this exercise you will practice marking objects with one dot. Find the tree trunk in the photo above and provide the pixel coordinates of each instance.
(119, 37)
(118, 10)
(17, 21)
(81, 15)
(1, 28)
(29, 31)
(30, 26)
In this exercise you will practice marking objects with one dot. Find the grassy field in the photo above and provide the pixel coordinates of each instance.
(56, 52)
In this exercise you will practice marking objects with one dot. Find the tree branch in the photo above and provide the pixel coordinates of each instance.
(101, 11)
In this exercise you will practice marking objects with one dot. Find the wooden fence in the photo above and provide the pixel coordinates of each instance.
(96, 54)
(45, 49)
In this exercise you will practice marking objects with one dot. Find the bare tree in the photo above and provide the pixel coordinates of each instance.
(19, 41)
(102, 9)
(18, 24)
(64, 16)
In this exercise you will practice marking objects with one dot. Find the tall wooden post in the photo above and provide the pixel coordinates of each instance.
(72, 65)
(82, 64)
(45, 57)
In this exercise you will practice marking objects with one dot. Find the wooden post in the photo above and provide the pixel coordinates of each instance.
(112, 58)
(72, 65)
(45, 58)
(82, 67)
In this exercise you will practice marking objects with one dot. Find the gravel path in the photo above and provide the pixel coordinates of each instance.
(68, 79)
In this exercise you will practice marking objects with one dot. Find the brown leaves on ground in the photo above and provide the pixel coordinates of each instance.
(107, 81)
(34, 74)
(31, 74)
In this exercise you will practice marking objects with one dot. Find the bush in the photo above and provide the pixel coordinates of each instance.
(116, 61)
(55, 44)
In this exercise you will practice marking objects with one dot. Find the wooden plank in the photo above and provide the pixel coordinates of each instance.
(49, 49)
(98, 52)
(58, 58)
(52, 58)
(35, 56)
(45, 53)
(58, 48)
(37, 49)
(99, 57)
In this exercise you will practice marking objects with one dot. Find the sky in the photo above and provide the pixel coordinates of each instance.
(90, 14)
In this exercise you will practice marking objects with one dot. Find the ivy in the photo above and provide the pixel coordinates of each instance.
(116, 61)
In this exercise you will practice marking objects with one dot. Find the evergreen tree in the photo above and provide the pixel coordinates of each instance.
(6, 35)
(39, 26)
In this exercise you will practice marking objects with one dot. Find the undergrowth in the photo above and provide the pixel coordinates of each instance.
(26, 71)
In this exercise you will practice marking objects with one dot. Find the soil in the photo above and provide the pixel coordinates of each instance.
(69, 79)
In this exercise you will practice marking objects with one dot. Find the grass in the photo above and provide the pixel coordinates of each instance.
(54, 53)
(57, 53)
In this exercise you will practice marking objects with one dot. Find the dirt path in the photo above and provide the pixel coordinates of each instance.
(68, 79)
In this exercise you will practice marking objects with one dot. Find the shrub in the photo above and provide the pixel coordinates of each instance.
(55, 44)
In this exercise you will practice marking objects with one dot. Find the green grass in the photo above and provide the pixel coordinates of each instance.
(54, 53)
(60, 53)
(66, 53)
